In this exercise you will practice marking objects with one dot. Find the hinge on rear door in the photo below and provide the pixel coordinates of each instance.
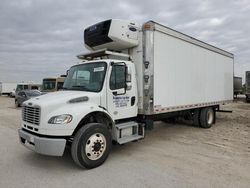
(146, 78)
(146, 63)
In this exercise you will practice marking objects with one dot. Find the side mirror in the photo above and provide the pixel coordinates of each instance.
(129, 86)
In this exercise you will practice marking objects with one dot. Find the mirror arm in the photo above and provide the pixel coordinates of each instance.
(125, 85)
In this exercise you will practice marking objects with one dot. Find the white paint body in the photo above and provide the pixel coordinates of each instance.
(56, 103)
(186, 74)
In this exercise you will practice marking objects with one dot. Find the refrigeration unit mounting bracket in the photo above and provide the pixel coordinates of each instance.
(102, 54)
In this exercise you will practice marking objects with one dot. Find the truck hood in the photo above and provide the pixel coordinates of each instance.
(62, 97)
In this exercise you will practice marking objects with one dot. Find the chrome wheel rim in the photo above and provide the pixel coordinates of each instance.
(210, 117)
(95, 146)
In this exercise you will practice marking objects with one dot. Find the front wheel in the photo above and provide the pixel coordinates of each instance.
(91, 145)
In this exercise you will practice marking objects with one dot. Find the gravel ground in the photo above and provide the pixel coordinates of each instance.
(171, 155)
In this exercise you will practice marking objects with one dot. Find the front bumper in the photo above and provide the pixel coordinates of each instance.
(42, 145)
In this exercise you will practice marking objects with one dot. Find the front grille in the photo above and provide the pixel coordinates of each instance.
(31, 115)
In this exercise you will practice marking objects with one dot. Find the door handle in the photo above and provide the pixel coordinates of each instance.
(133, 101)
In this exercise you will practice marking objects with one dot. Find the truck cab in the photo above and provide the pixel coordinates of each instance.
(112, 80)
(98, 93)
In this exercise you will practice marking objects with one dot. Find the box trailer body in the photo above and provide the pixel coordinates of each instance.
(247, 86)
(7, 88)
(182, 72)
(135, 74)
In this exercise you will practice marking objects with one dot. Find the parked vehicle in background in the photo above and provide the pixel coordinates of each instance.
(237, 86)
(53, 84)
(7, 88)
(27, 86)
(148, 73)
(247, 86)
(25, 95)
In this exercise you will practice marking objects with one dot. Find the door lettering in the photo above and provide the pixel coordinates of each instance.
(121, 101)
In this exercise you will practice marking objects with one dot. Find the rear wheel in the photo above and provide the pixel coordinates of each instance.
(207, 117)
(91, 145)
(196, 117)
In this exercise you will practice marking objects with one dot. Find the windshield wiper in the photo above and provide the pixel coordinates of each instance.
(79, 86)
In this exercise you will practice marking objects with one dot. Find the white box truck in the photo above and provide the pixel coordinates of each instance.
(7, 88)
(133, 76)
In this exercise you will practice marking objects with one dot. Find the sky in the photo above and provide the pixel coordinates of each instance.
(41, 38)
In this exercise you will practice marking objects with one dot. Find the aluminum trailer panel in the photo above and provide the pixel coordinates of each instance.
(248, 82)
(187, 73)
(237, 84)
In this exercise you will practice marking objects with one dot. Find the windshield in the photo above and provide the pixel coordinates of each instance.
(21, 87)
(33, 93)
(49, 84)
(86, 77)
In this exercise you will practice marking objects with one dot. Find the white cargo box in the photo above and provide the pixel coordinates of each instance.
(180, 72)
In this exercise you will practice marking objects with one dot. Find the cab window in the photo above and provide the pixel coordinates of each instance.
(25, 87)
(117, 78)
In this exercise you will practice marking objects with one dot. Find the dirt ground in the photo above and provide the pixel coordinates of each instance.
(171, 155)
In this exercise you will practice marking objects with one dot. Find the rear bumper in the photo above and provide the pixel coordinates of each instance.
(42, 145)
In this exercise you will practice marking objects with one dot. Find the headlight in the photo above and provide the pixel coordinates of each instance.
(61, 119)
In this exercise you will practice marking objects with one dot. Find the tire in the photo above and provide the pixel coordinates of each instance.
(17, 104)
(196, 117)
(91, 145)
(207, 117)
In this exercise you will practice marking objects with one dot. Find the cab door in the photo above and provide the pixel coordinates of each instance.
(122, 90)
